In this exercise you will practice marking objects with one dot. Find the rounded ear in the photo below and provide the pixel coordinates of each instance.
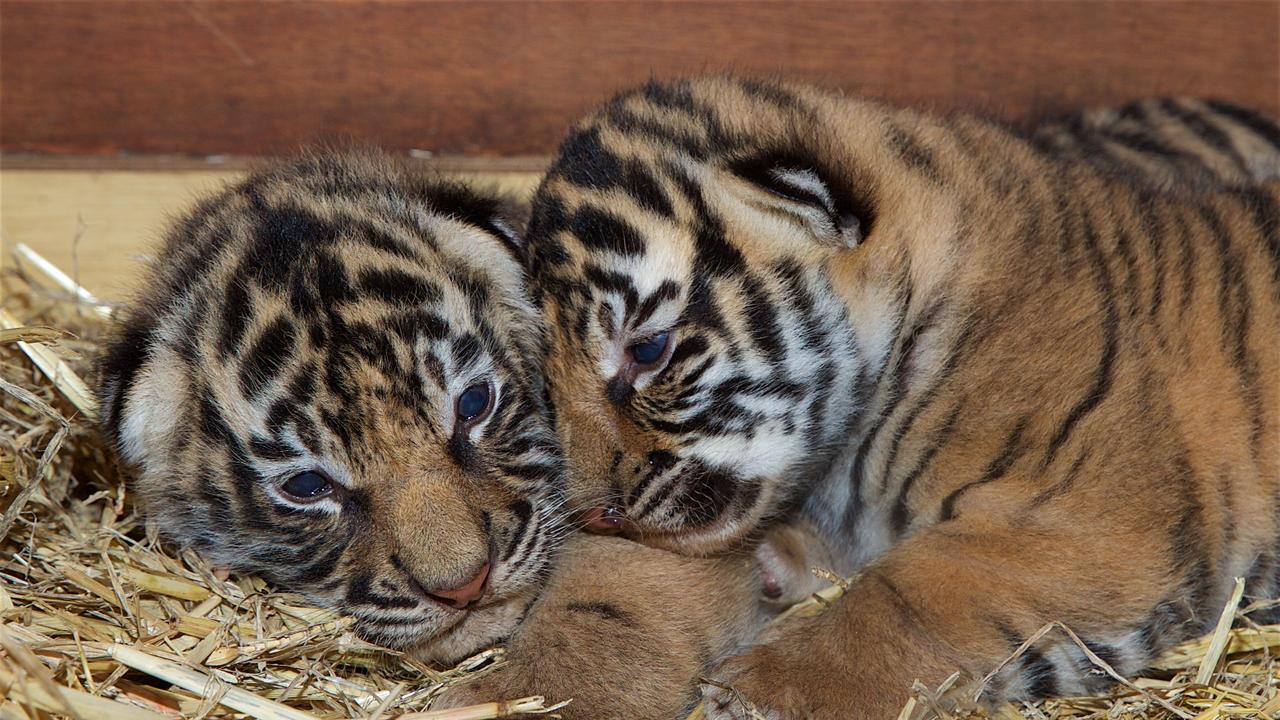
(142, 391)
(118, 367)
(509, 221)
(497, 213)
(807, 186)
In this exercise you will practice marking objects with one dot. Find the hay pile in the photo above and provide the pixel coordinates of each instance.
(99, 620)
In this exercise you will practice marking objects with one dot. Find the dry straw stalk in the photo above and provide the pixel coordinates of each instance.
(100, 620)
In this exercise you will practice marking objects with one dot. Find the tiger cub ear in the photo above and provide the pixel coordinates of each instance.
(499, 214)
(809, 195)
(508, 220)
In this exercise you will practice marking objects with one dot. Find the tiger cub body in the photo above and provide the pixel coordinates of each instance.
(1010, 386)
(330, 379)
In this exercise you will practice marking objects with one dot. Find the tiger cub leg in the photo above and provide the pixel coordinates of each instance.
(628, 631)
(956, 597)
(625, 631)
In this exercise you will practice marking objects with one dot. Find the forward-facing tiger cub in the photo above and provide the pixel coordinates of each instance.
(329, 378)
(1014, 388)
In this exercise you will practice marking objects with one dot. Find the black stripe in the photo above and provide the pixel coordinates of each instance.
(1216, 139)
(707, 496)
(523, 512)
(1156, 230)
(900, 516)
(912, 152)
(781, 98)
(1101, 384)
(660, 461)
(1062, 486)
(279, 242)
(236, 312)
(1261, 126)
(1264, 209)
(653, 130)
(323, 565)
(1039, 675)
(667, 290)
(272, 449)
(1129, 288)
(1012, 449)
(585, 161)
(600, 229)
(762, 322)
(932, 317)
(714, 254)
(659, 496)
(607, 611)
(397, 287)
(895, 392)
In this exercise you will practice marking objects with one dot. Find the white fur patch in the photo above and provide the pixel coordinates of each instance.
(153, 406)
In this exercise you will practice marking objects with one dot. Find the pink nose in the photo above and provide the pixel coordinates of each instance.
(464, 595)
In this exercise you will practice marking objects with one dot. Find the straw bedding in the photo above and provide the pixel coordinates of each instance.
(99, 619)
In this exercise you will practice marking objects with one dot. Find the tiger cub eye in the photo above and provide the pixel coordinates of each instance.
(307, 486)
(649, 350)
(474, 403)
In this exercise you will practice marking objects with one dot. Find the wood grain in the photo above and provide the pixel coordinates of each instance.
(248, 77)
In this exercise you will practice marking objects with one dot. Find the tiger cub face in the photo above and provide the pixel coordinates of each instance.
(330, 379)
(690, 246)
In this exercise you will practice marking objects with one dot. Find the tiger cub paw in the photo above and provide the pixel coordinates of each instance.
(493, 688)
(780, 681)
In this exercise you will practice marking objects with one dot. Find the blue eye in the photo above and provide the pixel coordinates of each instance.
(307, 486)
(473, 403)
(649, 350)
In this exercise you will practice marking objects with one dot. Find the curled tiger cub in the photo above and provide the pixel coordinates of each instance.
(329, 379)
(1010, 386)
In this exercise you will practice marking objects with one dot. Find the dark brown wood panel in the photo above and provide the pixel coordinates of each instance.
(232, 76)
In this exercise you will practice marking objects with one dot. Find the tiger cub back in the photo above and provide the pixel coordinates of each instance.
(1170, 144)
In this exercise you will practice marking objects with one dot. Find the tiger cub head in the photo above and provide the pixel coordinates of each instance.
(330, 379)
(720, 263)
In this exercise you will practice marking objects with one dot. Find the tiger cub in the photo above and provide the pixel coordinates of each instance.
(329, 378)
(1011, 387)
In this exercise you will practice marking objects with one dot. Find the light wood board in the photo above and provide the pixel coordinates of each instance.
(98, 225)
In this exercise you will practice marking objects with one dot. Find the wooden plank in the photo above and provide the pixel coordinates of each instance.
(483, 164)
(99, 225)
(248, 77)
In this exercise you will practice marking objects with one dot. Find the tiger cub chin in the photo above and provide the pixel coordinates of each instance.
(330, 378)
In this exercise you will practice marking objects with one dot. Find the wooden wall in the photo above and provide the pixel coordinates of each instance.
(505, 78)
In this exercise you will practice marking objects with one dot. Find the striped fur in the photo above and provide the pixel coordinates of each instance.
(1170, 144)
(324, 315)
(1016, 381)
